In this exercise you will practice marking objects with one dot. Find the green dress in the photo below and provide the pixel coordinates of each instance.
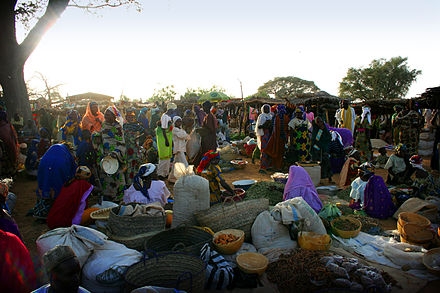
(301, 139)
(112, 141)
(362, 143)
(165, 152)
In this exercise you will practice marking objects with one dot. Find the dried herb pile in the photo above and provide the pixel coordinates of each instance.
(265, 189)
(309, 271)
(368, 223)
(345, 225)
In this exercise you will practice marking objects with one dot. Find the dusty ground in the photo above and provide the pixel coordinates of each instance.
(24, 187)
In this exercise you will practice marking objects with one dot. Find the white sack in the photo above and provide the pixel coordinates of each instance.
(268, 233)
(397, 254)
(81, 239)
(295, 209)
(193, 145)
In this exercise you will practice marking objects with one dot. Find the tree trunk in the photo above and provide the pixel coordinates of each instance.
(15, 94)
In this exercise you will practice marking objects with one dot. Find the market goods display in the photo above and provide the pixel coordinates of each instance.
(413, 218)
(265, 189)
(234, 215)
(346, 227)
(280, 177)
(416, 235)
(310, 270)
(177, 270)
(228, 241)
(330, 211)
(369, 225)
(239, 164)
(252, 263)
(314, 241)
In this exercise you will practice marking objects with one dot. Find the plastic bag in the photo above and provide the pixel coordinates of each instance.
(404, 254)
(193, 145)
(81, 239)
(268, 233)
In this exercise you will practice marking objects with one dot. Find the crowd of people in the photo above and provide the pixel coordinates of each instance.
(127, 156)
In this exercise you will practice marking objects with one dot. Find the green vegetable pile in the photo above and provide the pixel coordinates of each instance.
(265, 189)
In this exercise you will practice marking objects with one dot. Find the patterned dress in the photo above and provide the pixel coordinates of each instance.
(409, 131)
(112, 141)
(213, 175)
(301, 139)
(131, 132)
(362, 143)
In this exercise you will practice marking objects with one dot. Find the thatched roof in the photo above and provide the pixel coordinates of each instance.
(430, 99)
(320, 98)
(88, 97)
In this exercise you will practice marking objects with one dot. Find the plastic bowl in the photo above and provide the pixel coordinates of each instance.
(252, 262)
(343, 233)
(239, 195)
(314, 241)
(239, 164)
(244, 184)
(232, 247)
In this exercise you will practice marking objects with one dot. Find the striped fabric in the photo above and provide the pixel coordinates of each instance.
(219, 273)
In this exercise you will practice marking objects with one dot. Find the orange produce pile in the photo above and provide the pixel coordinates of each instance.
(224, 239)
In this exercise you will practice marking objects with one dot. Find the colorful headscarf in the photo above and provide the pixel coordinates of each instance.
(89, 120)
(299, 110)
(207, 157)
(367, 167)
(400, 147)
(417, 162)
(273, 108)
(72, 127)
(281, 109)
(115, 112)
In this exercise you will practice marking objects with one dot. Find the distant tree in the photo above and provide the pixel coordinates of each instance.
(164, 94)
(50, 91)
(383, 79)
(37, 16)
(286, 87)
(193, 95)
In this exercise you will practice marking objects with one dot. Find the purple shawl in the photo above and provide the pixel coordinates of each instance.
(347, 136)
(378, 202)
(300, 184)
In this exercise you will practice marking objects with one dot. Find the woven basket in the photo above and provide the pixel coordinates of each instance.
(236, 215)
(173, 270)
(126, 226)
(134, 242)
(413, 218)
(182, 239)
(102, 214)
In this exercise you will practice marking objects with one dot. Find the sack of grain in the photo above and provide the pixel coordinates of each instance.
(426, 144)
(191, 194)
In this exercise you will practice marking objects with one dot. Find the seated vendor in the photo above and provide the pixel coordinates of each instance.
(349, 170)
(382, 159)
(376, 201)
(146, 187)
(424, 184)
(71, 202)
(209, 163)
(397, 166)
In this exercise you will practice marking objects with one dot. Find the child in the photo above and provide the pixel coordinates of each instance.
(180, 137)
(209, 163)
(382, 159)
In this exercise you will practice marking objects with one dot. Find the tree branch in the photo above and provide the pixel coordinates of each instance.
(54, 9)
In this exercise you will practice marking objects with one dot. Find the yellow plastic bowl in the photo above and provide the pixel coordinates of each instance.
(343, 233)
(314, 241)
(252, 262)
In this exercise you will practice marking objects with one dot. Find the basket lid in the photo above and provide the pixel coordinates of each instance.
(252, 260)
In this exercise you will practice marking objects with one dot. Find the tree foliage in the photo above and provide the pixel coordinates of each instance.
(164, 94)
(382, 79)
(193, 95)
(287, 87)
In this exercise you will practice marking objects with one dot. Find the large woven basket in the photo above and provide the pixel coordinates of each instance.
(171, 270)
(134, 242)
(182, 239)
(126, 226)
(235, 215)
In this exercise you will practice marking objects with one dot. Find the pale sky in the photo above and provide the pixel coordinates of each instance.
(199, 43)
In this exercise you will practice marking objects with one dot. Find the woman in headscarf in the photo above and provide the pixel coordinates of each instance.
(276, 146)
(208, 133)
(213, 174)
(155, 116)
(200, 114)
(70, 204)
(337, 152)
(71, 132)
(10, 149)
(350, 169)
(142, 118)
(164, 137)
(110, 142)
(300, 136)
(377, 199)
(321, 138)
(180, 137)
(93, 118)
(56, 167)
(36, 150)
(146, 187)
(397, 166)
(424, 183)
(132, 132)
(362, 134)
(300, 184)
(263, 131)
(410, 123)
